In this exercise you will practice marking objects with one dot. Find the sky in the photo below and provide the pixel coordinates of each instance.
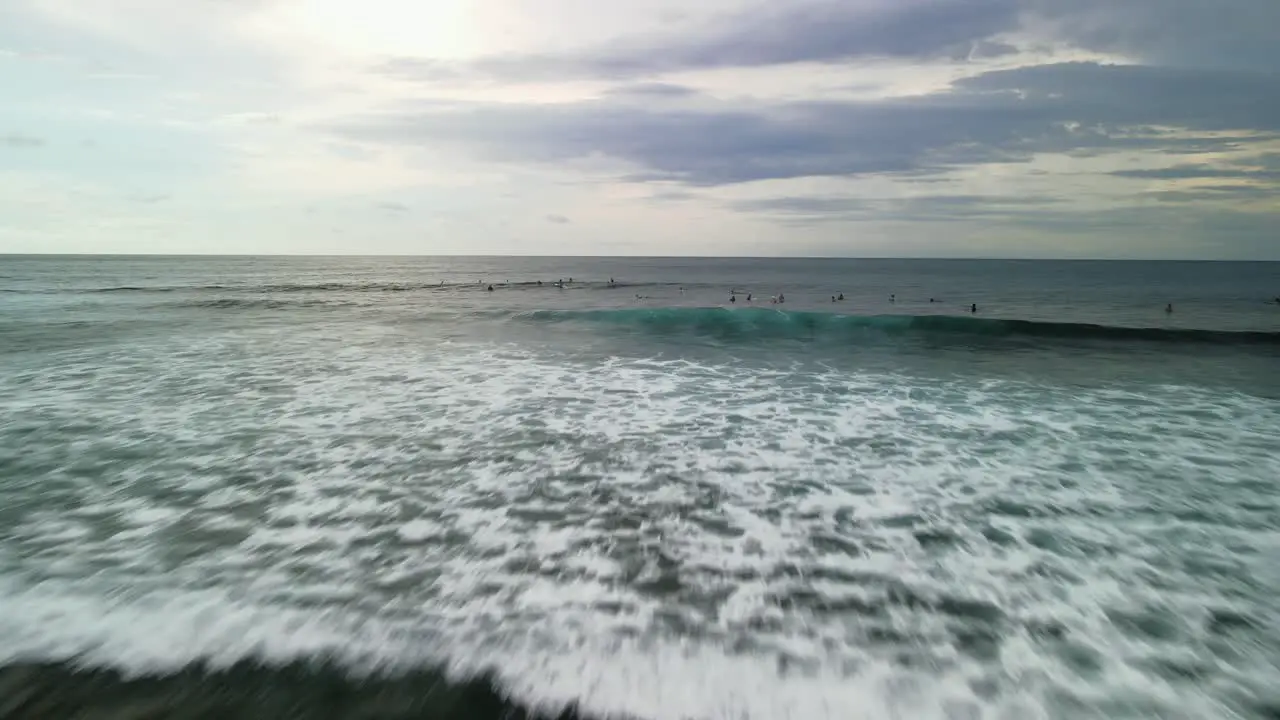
(866, 128)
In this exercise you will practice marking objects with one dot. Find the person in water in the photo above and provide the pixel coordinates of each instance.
(733, 298)
(1168, 308)
(973, 308)
(840, 296)
(833, 298)
(749, 298)
(893, 298)
(490, 288)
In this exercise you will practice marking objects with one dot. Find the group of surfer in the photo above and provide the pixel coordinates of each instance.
(561, 283)
(775, 299)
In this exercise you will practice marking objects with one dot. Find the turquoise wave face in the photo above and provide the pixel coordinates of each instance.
(770, 323)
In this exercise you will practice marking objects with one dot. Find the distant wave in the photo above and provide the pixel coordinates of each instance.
(758, 323)
(353, 287)
(283, 288)
(346, 287)
(253, 303)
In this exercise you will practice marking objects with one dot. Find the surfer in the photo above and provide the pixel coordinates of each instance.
(490, 288)
(781, 298)
(893, 298)
(840, 297)
(733, 298)
(1168, 308)
(749, 299)
(973, 308)
(833, 298)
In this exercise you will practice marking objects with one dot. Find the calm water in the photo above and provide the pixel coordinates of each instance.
(369, 487)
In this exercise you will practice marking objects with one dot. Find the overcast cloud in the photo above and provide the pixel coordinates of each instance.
(1144, 128)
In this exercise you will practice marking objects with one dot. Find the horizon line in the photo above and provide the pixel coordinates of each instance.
(633, 257)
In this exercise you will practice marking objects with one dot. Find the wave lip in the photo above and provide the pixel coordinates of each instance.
(761, 323)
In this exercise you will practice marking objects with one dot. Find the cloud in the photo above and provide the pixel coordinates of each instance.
(1230, 34)
(764, 35)
(16, 140)
(1215, 193)
(653, 90)
(741, 115)
(931, 208)
(1197, 171)
(1000, 116)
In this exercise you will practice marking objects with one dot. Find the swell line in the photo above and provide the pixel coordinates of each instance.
(765, 323)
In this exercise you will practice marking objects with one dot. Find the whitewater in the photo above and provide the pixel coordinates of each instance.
(377, 475)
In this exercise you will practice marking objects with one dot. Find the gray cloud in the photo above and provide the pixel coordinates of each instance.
(558, 219)
(773, 34)
(392, 207)
(18, 140)
(1215, 193)
(1197, 171)
(808, 209)
(1004, 116)
(654, 89)
(1233, 34)
(1229, 34)
(1168, 227)
(1206, 99)
(673, 196)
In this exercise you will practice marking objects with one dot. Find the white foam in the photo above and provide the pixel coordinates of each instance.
(418, 530)
(610, 533)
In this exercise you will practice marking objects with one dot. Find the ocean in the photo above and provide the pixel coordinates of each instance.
(265, 487)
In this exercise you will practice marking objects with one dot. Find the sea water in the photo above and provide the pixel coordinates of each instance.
(372, 487)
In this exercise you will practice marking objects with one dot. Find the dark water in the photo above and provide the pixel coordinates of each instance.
(370, 487)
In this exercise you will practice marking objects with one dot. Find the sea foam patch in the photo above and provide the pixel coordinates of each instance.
(667, 539)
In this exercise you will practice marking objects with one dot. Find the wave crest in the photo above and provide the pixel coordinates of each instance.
(745, 324)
